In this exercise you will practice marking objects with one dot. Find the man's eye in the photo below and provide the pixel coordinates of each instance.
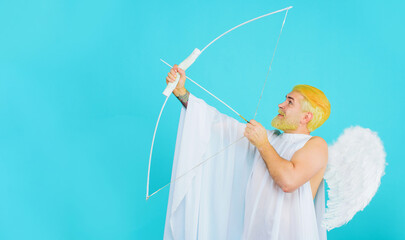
(289, 102)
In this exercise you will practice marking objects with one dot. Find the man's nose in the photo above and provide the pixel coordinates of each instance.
(281, 105)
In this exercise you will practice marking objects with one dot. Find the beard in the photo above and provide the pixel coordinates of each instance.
(283, 123)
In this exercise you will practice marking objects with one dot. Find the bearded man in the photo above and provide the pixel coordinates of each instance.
(269, 186)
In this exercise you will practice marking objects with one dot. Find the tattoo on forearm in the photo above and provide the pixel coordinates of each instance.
(184, 98)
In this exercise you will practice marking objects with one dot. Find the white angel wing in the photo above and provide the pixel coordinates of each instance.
(355, 167)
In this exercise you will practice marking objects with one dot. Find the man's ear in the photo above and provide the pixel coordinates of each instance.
(308, 117)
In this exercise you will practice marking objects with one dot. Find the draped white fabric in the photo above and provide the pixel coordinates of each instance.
(232, 196)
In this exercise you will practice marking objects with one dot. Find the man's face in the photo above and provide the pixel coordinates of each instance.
(290, 113)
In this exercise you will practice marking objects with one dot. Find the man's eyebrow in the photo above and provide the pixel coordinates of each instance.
(289, 97)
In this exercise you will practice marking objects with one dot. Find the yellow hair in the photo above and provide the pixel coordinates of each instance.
(315, 102)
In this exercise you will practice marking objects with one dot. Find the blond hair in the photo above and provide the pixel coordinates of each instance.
(315, 102)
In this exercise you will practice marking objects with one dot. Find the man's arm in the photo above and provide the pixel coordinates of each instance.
(304, 164)
(182, 95)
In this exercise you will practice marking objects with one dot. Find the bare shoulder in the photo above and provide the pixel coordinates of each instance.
(317, 142)
(315, 149)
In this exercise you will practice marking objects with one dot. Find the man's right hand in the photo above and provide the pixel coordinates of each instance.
(171, 77)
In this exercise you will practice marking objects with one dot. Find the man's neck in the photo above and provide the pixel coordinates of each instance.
(298, 131)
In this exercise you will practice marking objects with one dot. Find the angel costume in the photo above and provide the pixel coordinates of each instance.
(232, 196)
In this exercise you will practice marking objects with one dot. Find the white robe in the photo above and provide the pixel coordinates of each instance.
(232, 196)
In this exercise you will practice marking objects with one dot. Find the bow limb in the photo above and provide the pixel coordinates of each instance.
(151, 148)
(240, 25)
(167, 92)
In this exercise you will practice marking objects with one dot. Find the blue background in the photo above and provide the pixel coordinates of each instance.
(80, 92)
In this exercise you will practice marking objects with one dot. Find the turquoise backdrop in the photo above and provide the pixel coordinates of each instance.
(80, 92)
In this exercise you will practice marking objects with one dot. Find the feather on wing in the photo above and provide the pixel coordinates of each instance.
(355, 166)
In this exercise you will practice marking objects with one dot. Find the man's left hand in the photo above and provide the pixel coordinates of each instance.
(256, 134)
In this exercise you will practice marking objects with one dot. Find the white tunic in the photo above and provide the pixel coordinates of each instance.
(271, 213)
(232, 196)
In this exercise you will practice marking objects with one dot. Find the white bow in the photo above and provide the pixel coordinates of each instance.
(187, 63)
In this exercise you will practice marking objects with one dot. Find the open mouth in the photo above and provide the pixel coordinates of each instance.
(280, 113)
